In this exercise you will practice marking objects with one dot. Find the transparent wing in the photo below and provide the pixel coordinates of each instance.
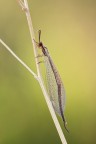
(53, 89)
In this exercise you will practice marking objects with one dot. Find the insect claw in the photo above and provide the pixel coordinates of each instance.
(21, 3)
(39, 55)
(40, 62)
(35, 42)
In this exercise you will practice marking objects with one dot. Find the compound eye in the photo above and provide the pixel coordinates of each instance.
(40, 44)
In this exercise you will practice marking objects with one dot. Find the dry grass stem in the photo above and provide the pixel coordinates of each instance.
(38, 76)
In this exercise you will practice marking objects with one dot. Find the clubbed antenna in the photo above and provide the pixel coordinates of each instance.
(39, 35)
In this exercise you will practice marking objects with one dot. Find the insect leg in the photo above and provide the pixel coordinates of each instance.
(39, 55)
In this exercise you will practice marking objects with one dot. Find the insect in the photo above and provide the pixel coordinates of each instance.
(55, 86)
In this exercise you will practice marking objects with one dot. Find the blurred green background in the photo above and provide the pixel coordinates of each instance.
(69, 32)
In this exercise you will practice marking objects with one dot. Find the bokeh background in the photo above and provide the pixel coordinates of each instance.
(69, 32)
